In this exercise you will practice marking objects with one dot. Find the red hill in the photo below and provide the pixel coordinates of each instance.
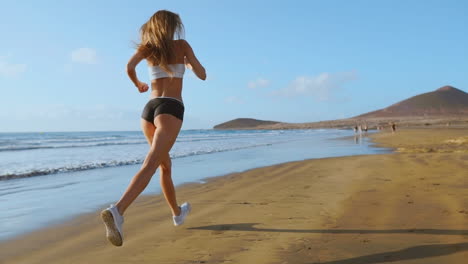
(445, 101)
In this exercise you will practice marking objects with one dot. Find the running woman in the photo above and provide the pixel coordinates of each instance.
(167, 56)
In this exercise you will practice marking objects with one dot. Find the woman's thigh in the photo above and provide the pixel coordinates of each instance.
(168, 126)
(165, 135)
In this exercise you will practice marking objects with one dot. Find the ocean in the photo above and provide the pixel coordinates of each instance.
(46, 178)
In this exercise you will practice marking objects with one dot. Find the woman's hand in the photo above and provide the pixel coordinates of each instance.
(142, 87)
(132, 63)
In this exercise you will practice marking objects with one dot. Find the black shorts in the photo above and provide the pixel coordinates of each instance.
(163, 105)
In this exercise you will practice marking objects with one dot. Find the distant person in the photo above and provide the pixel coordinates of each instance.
(365, 129)
(393, 127)
(355, 129)
(162, 116)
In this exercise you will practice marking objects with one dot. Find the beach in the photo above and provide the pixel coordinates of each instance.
(409, 206)
(89, 170)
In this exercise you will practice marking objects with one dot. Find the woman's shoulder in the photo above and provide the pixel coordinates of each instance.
(182, 42)
(183, 46)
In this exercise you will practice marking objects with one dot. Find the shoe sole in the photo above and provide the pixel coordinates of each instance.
(112, 233)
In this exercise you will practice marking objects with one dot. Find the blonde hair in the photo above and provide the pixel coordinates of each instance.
(157, 36)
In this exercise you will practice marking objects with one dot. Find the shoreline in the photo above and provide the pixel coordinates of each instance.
(306, 220)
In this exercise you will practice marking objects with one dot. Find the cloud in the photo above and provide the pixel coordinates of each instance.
(259, 83)
(9, 69)
(234, 100)
(322, 87)
(84, 55)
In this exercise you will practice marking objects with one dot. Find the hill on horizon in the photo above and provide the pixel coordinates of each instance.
(244, 123)
(445, 101)
(442, 104)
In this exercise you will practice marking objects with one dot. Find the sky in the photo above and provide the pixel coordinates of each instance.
(62, 63)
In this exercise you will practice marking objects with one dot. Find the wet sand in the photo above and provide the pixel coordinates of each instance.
(410, 206)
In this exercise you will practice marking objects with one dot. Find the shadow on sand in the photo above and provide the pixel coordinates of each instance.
(251, 227)
(416, 252)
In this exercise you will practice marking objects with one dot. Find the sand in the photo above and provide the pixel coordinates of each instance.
(410, 206)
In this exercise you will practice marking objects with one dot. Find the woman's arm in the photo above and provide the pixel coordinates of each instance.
(131, 65)
(192, 62)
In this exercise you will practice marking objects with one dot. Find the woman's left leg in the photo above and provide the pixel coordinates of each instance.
(167, 185)
(165, 134)
(165, 170)
(167, 129)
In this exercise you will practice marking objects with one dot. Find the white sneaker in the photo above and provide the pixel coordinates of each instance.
(113, 222)
(185, 209)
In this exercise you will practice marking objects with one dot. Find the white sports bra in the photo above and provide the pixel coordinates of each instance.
(156, 72)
